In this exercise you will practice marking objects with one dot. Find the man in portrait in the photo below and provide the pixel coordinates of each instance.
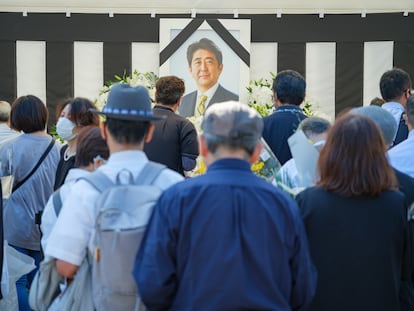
(205, 61)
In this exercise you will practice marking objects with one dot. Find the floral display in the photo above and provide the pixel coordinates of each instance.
(260, 95)
(260, 98)
(147, 79)
(268, 165)
(200, 167)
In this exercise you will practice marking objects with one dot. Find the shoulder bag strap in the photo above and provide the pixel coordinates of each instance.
(57, 202)
(17, 186)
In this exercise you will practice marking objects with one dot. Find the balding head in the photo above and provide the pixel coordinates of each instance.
(4, 111)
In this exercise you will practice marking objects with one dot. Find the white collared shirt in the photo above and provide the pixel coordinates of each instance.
(209, 93)
(72, 234)
(49, 216)
(401, 156)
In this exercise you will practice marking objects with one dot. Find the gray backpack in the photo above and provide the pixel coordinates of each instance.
(123, 213)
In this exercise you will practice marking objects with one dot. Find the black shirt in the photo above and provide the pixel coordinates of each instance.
(359, 247)
(174, 138)
(63, 168)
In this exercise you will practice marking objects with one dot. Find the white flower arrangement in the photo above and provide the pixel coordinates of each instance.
(260, 98)
(260, 95)
(147, 79)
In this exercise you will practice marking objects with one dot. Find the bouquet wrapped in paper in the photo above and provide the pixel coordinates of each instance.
(268, 167)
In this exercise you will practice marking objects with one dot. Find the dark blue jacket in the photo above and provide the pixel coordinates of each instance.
(226, 240)
(279, 126)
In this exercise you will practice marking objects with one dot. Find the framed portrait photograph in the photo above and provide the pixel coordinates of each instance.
(235, 72)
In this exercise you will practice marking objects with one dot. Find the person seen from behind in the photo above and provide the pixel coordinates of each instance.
(395, 86)
(402, 156)
(32, 159)
(315, 129)
(127, 127)
(356, 221)
(240, 237)
(174, 142)
(289, 89)
(6, 133)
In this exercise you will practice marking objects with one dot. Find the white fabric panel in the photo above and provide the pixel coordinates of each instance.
(320, 77)
(31, 68)
(263, 60)
(88, 69)
(145, 57)
(378, 58)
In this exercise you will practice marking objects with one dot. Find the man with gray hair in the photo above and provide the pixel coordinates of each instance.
(228, 239)
(315, 129)
(6, 133)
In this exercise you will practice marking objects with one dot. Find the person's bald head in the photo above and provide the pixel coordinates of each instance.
(5, 108)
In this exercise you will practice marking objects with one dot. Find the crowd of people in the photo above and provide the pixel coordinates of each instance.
(227, 239)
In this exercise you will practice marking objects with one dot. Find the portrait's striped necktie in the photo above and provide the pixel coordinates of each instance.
(201, 106)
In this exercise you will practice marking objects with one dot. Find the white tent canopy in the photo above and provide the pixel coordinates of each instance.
(209, 6)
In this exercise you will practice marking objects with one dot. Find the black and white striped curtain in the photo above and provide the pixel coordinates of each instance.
(52, 56)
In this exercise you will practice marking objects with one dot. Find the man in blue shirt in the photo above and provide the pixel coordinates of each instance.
(289, 92)
(226, 240)
(402, 156)
(395, 86)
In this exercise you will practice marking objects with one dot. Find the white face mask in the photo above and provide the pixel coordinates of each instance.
(64, 128)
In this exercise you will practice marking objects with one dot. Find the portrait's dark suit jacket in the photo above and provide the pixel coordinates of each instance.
(189, 101)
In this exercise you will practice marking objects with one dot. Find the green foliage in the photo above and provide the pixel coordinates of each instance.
(307, 109)
(260, 95)
(54, 134)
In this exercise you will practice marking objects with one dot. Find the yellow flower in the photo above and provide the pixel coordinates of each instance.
(198, 170)
(257, 166)
(202, 167)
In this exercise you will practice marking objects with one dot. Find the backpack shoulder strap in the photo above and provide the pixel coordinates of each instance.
(147, 176)
(149, 173)
(57, 202)
(98, 180)
(402, 131)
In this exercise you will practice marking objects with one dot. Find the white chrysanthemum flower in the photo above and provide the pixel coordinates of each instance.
(147, 79)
